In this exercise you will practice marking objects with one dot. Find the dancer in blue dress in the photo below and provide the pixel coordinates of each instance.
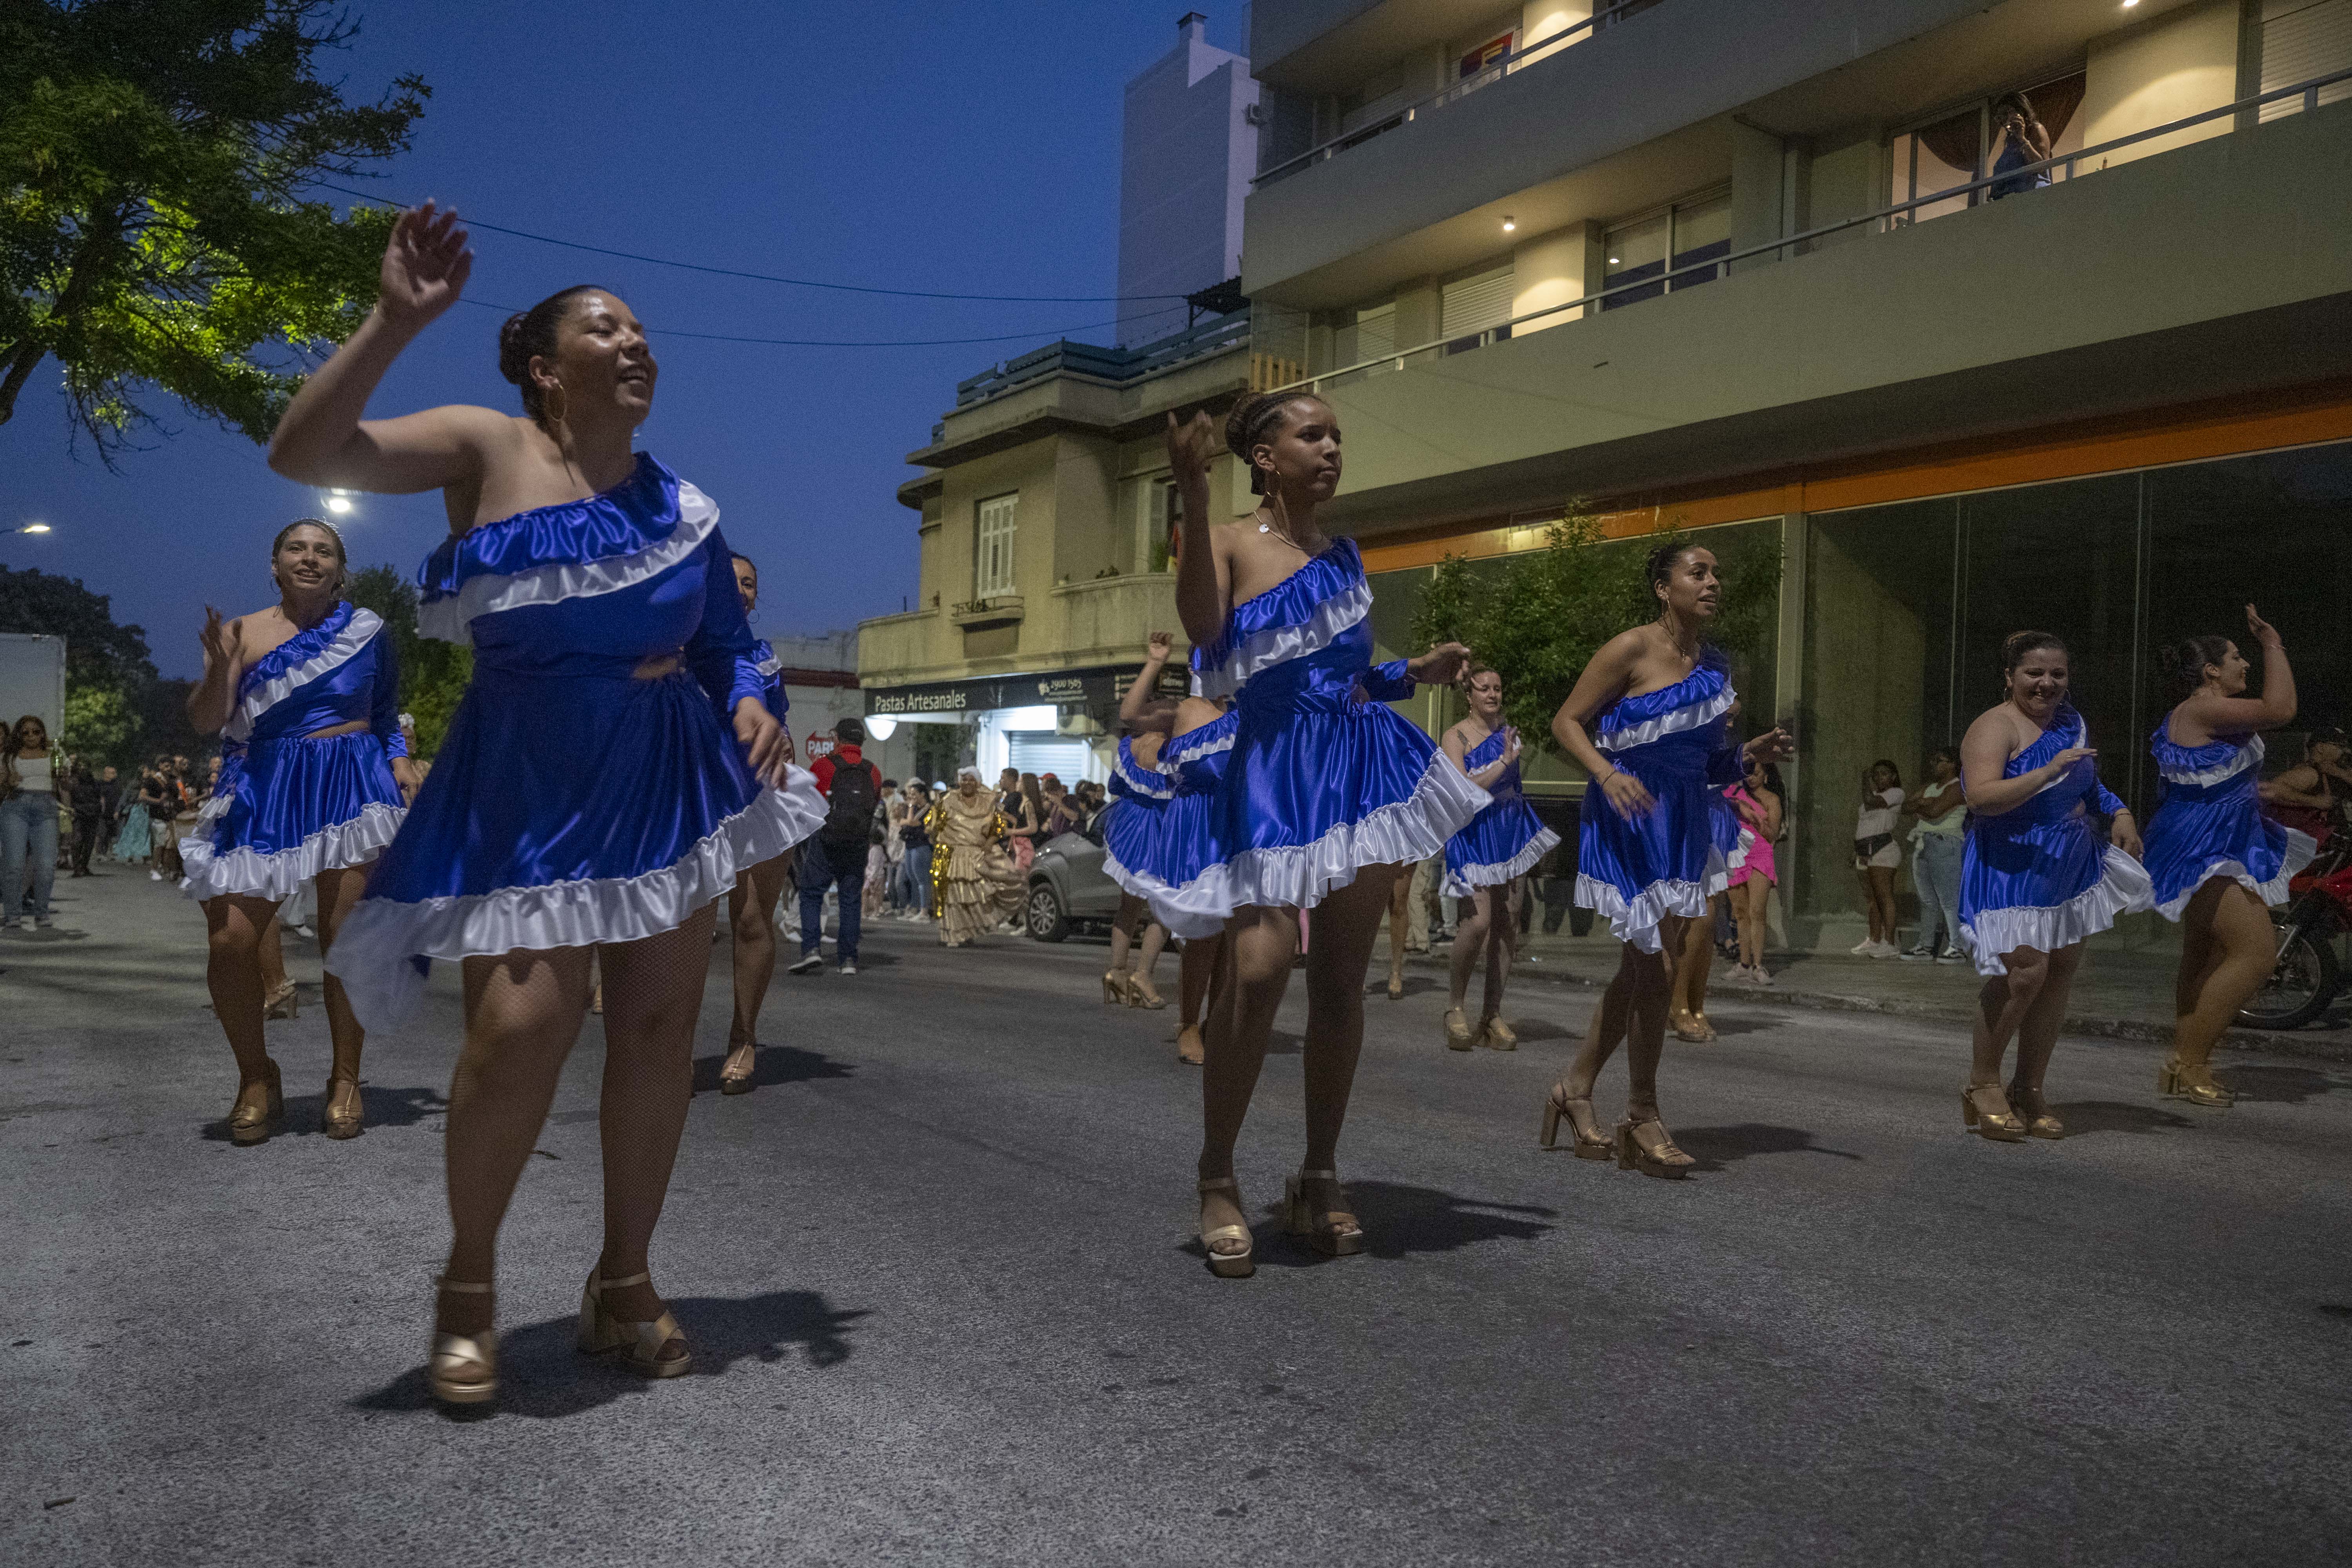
(1138, 790)
(751, 901)
(314, 780)
(1486, 861)
(1325, 793)
(1650, 718)
(2035, 879)
(589, 792)
(2215, 860)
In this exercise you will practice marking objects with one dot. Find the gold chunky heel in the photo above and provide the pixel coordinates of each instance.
(1584, 1132)
(600, 1331)
(259, 1106)
(463, 1369)
(1984, 1110)
(1238, 1265)
(1331, 1232)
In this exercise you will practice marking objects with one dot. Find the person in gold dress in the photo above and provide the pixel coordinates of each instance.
(975, 884)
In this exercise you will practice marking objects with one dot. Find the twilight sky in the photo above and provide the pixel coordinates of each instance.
(962, 147)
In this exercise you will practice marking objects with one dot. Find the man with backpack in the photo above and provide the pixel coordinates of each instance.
(835, 857)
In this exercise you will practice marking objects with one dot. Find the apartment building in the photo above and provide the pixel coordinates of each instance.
(2030, 313)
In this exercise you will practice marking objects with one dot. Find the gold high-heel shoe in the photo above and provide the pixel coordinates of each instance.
(258, 1106)
(1190, 1049)
(1656, 1156)
(2173, 1083)
(2034, 1112)
(1984, 1110)
(1584, 1132)
(1331, 1232)
(1141, 992)
(344, 1117)
(641, 1343)
(735, 1075)
(1238, 1265)
(1496, 1035)
(1396, 987)
(463, 1368)
(1691, 1026)
(281, 1003)
(1459, 1036)
(1114, 988)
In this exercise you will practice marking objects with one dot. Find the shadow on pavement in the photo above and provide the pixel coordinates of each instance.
(2083, 1116)
(384, 1108)
(1716, 1147)
(772, 1065)
(1398, 1220)
(2284, 1085)
(542, 1375)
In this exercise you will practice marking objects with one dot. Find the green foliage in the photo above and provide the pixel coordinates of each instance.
(433, 674)
(1539, 617)
(151, 233)
(100, 726)
(97, 651)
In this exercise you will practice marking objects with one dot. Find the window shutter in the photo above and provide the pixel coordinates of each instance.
(2302, 40)
(1471, 305)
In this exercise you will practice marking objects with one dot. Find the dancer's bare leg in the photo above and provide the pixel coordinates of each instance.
(233, 928)
(751, 918)
(1502, 946)
(1612, 1016)
(339, 892)
(2243, 947)
(1196, 970)
(2002, 1007)
(1155, 939)
(272, 955)
(1473, 918)
(2037, 1032)
(1259, 943)
(1346, 924)
(1399, 919)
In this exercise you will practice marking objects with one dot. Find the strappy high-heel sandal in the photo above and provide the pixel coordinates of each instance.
(1396, 987)
(463, 1368)
(1584, 1130)
(344, 1116)
(1984, 1110)
(1141, 992)
(641, 1343)
(1115, 988)
(2034, 1112)
(259, 1105)
(1331, 1232)
(2173, 1083)
(1496, 1035)
(1652, 1157)
(1459, 1036)
(281, 1003)
(735, 1075)
(1691, 1026)
(1228, 1265)
(1189, 1047)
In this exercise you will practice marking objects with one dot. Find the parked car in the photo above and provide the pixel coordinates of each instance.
(1067, 888)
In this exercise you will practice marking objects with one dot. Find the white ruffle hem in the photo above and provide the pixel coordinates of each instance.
(2301, 848)
(248, 873)
(2123, 888)
(1461, 884)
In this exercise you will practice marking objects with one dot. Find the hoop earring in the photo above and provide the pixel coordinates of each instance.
(551, 407)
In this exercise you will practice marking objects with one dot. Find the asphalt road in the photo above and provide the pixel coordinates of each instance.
(940, 1276)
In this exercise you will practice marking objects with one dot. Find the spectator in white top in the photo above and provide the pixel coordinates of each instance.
(1935, 845)
(1876, 856)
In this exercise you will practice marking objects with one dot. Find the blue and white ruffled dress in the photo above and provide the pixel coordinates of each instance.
(1169, 845)
(1323, 779)
(769, 671)
(570, 804)
(1677, 742)
(1130, 823)
(2210, 824)
(287, 807)
(2041, 877)
(1505, 839)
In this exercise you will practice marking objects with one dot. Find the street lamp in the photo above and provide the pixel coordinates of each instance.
(339, 501)
(32, 528)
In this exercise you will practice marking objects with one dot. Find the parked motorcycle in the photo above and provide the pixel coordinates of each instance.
(2318, 911)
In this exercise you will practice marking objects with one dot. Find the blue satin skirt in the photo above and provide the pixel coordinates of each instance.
(2191, 841)
(2043, 886)
(1669, 861)
(288, 809)
(1502, 841)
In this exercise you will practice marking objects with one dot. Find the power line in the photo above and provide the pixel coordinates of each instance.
(881, 343)
(771, 278)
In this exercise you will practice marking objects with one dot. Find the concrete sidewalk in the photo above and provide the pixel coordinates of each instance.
(2121, 993)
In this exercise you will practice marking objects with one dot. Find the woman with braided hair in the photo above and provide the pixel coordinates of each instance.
(612, 771)
(1325, 793)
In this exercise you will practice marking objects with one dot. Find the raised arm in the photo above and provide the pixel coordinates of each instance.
(1483, 777)
(1203, 582)
(215, 698)
(1139, 709)
(1603, 681)
(321, 438)
(2238, 715)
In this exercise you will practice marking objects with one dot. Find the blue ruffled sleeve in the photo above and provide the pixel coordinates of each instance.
(1389, 683)
(2104, 801)
(722, 653)
(383, 706)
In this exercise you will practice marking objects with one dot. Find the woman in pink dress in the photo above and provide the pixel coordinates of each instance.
(1759, 799)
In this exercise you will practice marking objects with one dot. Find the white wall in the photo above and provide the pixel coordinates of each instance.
(2176, 65)
(1187, 153)
(1551, 270)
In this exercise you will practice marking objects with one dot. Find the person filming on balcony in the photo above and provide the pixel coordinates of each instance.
(2018, 139)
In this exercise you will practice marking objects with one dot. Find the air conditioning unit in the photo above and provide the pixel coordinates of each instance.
(1254, 114)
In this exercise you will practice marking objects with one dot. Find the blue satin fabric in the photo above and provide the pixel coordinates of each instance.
(1157, 843)
(1129, 826)
(2203, 830)
(765, 668)
(278, 790)
(2046, 853)
(1673, 858)
(558, 766)
(1496, 845)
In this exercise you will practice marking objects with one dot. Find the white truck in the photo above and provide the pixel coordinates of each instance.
(33, 679)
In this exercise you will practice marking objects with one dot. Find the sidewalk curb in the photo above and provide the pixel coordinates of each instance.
(2282, 1043)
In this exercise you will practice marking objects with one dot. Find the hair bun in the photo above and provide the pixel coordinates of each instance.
(514, 364)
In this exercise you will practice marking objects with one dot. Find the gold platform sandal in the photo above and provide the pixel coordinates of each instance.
(641, 1343)
(343, 1117)
(259, 1106)
(1984, 1110)
(1458, 1035)
(735, 1077)
(1331, 1232)
(2173, 1083)
(1584, 1130)
(281, 1003)
(2034, 1112)
(463, 1368)
(1496, 1035)
(1228, 1265)
(1652, 1156)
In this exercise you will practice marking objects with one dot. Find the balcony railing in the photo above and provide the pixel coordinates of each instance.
(1493, 71)
(2061, 167)
(1116, 365)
